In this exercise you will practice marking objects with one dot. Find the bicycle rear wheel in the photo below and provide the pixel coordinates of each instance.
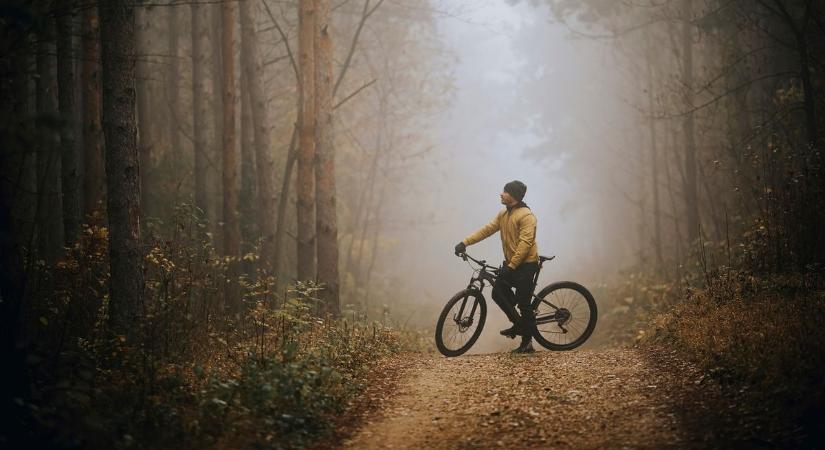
(460, 323)
(565, 316)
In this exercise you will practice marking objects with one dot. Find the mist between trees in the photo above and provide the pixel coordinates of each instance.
(192, 156)
(233, 113)
(224, 157)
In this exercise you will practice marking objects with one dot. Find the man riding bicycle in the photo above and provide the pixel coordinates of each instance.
(517, 226)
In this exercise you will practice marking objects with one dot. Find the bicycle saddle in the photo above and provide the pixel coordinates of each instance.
(546, 258)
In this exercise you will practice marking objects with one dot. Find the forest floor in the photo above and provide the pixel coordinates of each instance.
(599, 398)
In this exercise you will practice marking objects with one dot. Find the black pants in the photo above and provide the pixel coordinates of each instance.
(521, 280)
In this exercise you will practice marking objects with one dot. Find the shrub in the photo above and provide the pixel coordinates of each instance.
(194, 375)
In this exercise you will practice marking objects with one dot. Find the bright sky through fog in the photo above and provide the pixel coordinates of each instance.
(481, 139)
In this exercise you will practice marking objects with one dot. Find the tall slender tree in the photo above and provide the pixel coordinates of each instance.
(146, 138)
(264, 162)
(326, 223)
(117, 34)
(49, 224)
(172, 70)
(231, 183)
(69, 178)
(654, 157)
(93, 174)
(200, 126)
(688, 125)
(305, 191)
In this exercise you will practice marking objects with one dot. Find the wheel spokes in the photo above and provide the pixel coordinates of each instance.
(461, 324)
(562, 316)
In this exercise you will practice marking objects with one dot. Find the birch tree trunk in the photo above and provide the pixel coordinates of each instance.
(117, 34)
(93, 187)
(305, 190)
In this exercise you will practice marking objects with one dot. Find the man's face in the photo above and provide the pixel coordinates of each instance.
(507, 199)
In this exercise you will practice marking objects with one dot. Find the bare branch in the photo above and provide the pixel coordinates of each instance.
(344, 100)
(286, 41)
(365, 14)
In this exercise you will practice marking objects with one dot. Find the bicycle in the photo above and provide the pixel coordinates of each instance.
(565, 311)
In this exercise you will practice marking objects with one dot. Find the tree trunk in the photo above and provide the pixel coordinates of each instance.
(69, 178)
(231, 184)
(48, 210)
(264, 161)
(307, 16)
(217, 108)
(688, 128)
(283, 200)
(249, 198)
(326, 223)
(144, 110)
(117, 34)
(200, 127)
(172, 70)
(654, 161)
(93, 175)
(809, 96)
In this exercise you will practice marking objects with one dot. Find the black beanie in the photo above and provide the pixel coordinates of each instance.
(516, 189)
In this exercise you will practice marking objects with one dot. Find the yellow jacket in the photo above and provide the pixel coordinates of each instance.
(518, 235)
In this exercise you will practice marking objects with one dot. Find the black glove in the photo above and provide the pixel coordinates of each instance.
(505, 272)
(460, 248)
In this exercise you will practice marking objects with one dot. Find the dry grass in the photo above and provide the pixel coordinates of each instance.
(766, 333)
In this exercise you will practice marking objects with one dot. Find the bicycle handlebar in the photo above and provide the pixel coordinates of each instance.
(481, 263)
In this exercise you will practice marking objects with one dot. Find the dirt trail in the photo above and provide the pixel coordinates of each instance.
(613, 398)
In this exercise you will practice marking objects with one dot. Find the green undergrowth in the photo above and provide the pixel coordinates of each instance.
(194, 372)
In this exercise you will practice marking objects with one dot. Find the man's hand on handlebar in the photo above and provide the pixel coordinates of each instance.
(460, 248)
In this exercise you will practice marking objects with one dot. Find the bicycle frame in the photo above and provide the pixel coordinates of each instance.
(477, 284)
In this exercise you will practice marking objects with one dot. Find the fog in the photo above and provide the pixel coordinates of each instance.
(528, 103)
(658, 140)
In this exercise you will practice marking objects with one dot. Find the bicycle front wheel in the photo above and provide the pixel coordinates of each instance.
(460, 323)
(565, 316)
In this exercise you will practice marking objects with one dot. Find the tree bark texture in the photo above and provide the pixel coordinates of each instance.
(216, 197)
(305, 190)
(69, 177)
(248, 208)
(93, 176)
(654, 161)
(264, 161)
(48, 210)
(688, 128)
(172, 70)
(146, 139)
(200, 126)
(326, 223)
(117, 34)
(231, 183)
(280, 227)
